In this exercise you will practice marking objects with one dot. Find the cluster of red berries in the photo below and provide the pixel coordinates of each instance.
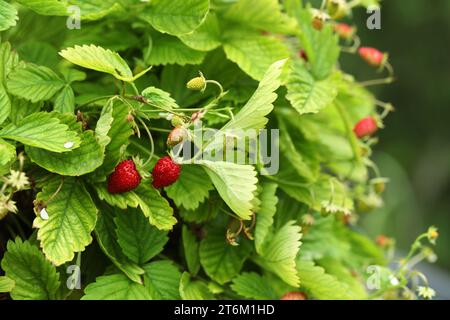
(126, 177)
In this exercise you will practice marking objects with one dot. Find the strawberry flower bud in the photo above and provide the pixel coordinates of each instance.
(337, 8)
(372, 56)
(319, 19)
(344, 31)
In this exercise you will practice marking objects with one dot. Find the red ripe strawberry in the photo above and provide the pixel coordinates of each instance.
(372, 56)
(165, 172)
(124, 178)
(344, 30)
(365, 127)
(294, 296)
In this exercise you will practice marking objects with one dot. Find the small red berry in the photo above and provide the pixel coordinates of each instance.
(344, 30)
(294, 296)
(365, 127)
(124, 178)
(165, 172)
(372, 56)
(303, 55)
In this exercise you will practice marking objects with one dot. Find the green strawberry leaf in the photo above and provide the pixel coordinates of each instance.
(206, 37)
(220, 260)
(34, 83)
(138, 239)
(35, 277)
(6, 284)
(192, 187)
(176, 17)
(115, 287)
(162, 279)
(44, 131)
(308, 95)
(72, 217)
(191, 250)
(5, 105)
(106, 235)
(279, 252)
(166, 49)
(265, 214)
(194, 289)
(235, 183)
(155, 207)
(85, 159)
(8, 16)
(65, 100)
(99, 59)
(251, 285)
(46, 7)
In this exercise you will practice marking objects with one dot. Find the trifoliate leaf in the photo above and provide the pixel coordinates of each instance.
(279, 252)
(168, 49)
(138, 239)
(8, 16)
(220, 260)
(254, 53)
(34, 83)
(44, 131)
(235, 183)
(115, 287)
(176, 17)
(308, 95)
(105, 232)
(194, 289)
(162, 280)
(191, 189)
(99, 59)
(191, 250)
(83, 160)
(155, 207)
(35, 278)
(6, 284)
(264, 216)
(72, 217)
(251, 285)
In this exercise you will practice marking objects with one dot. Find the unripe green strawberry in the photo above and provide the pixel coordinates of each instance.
(337, 8)
(176, 121)
(197, 84)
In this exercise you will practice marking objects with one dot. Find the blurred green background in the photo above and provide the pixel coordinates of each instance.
(414, 148)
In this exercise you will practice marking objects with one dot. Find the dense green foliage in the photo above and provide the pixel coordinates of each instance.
(74, 103)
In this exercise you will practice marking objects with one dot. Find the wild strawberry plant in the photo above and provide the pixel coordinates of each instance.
(98, 200)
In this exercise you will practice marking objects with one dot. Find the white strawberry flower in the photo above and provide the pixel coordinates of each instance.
(426, 292)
